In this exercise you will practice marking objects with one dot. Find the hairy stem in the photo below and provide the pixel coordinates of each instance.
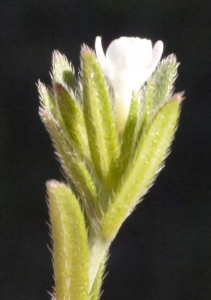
(98, 247)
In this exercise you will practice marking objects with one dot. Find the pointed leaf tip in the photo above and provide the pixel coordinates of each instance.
(179, 97)
(51, 184)
(63, 71)
(85, 50)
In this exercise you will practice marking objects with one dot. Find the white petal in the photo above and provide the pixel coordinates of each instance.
(100, 54)
(144, 52)
(156, 55)
(129, 53)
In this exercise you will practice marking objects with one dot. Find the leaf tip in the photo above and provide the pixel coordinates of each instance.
(52, 184)
(85, 50)
(179, 97)
(58, 87)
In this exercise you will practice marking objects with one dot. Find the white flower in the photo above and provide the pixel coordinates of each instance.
(128, 63)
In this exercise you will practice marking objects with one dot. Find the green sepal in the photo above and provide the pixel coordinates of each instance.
(70, 245)
(149, 156)
(63, 71)
(98, 116)
(73, 119)
(75, 168)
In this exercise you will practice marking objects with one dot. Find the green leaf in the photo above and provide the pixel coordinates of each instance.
(145, 111)
(163, 82)
(74, 168)
(150, 153)
(47, 99)
(70, 245)
(63, 71)
(98, 116)
(128, 135)
(157, 92)
(73, 119)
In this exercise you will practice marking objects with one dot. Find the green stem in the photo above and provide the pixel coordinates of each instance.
(98, 247)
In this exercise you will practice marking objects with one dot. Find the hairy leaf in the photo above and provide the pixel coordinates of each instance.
(70, 246)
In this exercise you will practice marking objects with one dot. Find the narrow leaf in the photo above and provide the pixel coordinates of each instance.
(47, 99)
(145, 110)
(63, 71)
(73, 119)
(163, 82)
(98, 116)
(150, 153)
(74, 167)
(158, 91)
(70, 246)
(128, 135)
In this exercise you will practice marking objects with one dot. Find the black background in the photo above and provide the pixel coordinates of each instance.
(163, 251)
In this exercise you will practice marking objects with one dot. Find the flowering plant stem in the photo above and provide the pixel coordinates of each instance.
(111, 135)
(97, 251)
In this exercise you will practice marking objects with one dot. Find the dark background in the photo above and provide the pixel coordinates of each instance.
(163, 251)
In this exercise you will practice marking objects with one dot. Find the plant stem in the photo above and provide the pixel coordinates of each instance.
(98, 247)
